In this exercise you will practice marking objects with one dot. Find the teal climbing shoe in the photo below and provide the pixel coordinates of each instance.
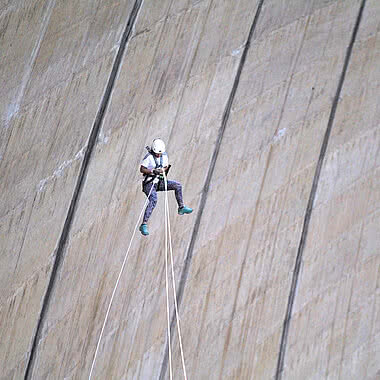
(185, 210)
(144, 229)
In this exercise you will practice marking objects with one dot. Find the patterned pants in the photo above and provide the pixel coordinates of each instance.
(172, 185)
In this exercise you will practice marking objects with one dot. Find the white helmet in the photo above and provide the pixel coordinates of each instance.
(158, 146)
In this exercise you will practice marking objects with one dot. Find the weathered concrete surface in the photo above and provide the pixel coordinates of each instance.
(175, 80)
(55, 65)
(335, 332)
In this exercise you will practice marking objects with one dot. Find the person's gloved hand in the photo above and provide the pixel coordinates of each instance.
(157, 171)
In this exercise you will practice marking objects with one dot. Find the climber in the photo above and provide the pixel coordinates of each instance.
(152, 167)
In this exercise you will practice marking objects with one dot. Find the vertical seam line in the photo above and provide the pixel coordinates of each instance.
(79, 185)
(206, 187)
(310, 204)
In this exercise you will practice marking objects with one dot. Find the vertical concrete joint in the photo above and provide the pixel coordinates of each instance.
(205, 190)
(309, 208)
(79, 185)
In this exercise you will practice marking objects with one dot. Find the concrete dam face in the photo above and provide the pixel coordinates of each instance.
(270, 111)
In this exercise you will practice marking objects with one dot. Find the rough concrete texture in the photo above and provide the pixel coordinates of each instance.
(270, 111)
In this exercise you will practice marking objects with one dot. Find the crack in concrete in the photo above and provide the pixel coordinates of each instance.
(79, 185)
(226, 114)
(309, 208)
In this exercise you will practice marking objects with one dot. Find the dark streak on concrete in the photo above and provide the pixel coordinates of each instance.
(309, 208)
(206, 186)
(79, 186)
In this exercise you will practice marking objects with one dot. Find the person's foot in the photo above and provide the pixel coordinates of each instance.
(185, 210)
(144, 229)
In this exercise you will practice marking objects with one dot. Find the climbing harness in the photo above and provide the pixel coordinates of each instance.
(148, 178)
(168, 244)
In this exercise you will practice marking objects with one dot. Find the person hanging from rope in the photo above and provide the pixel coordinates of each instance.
(152, 167)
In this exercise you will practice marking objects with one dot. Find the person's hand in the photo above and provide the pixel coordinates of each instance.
(158, 171)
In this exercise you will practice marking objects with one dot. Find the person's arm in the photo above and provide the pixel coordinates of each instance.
(145, 170)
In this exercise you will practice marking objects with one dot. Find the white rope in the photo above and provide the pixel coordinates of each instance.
(167, 289)
(116, 285)
(167, 239)
(167, 217)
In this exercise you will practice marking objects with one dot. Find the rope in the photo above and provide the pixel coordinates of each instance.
(168, 239)
(167, 285)
(167, 229)
(116, 285)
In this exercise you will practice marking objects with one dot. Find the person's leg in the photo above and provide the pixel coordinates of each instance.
(152, 201)
(177, 187)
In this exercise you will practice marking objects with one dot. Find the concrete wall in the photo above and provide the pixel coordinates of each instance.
(243, 93)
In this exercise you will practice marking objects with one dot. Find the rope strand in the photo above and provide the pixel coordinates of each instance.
(168, 243)
(167, 215)
(167, 287)
(116, 285)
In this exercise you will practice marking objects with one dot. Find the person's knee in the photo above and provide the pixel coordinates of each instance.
(153, 200)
